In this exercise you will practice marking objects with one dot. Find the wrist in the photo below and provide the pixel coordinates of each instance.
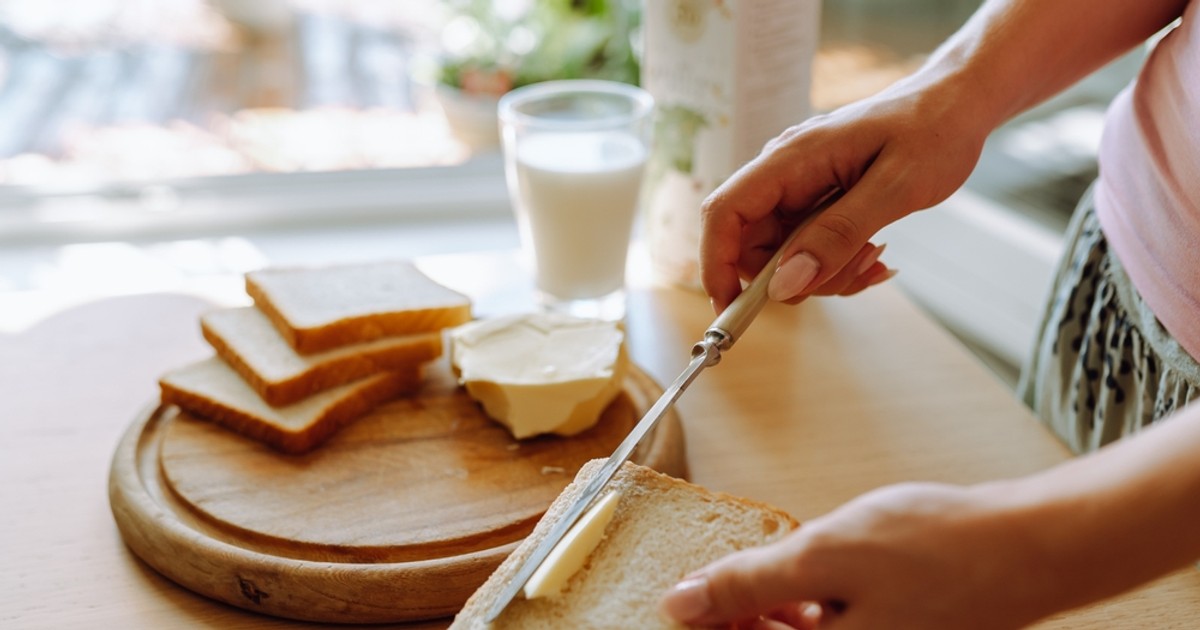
(1069, 539)
(1037, 544)
(957, 96)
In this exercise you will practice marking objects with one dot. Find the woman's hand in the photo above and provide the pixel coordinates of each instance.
(903, 150)
(996, 555)
(906, 556)
(906, 148)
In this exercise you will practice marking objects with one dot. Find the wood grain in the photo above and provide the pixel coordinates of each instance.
(399, 517)
(815, 405)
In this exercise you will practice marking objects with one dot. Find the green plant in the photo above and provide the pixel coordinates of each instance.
(500, 48)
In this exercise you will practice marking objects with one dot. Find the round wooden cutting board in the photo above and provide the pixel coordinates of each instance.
(400, 516)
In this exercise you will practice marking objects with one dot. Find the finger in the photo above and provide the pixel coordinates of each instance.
(829, 616)
(748, 197)
(878, 273)
(773, 624)
(809, 616)
(759, 242)
(742, 585)
(803, 615)
(852, 272)
(743, 200)
(832, 239)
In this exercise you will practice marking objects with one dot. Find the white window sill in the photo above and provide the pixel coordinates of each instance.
(472, 190)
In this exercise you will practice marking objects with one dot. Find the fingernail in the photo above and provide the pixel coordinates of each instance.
(687, 600)
(793, 277)
(870, 260)
(884, 277)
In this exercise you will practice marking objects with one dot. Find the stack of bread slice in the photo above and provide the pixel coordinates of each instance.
(321, 347)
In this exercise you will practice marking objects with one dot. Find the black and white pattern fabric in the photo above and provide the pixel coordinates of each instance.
(1102, 366)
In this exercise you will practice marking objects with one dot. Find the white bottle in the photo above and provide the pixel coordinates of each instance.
(726, 76)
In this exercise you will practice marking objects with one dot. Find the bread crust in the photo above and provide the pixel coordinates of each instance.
(321, 347)
(313, 373)
(229, 407)
(420, 304)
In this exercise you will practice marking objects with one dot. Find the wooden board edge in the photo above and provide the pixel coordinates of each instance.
(295, 589)
(306, 590)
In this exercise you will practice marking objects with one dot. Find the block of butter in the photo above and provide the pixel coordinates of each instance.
(540, 373)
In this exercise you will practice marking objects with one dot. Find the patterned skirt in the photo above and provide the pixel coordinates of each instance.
(1103, 366)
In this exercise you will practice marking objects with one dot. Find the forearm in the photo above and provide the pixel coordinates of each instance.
(1014, 54)
(1107, 522)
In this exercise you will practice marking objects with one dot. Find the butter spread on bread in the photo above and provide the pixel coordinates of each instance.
(540, 373)
(572, 551)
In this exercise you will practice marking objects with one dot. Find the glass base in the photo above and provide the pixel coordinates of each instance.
(610, 307)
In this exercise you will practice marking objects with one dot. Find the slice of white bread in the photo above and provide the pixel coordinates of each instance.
(663, 529)
(321, 308)
(212, 390)
(247, 341)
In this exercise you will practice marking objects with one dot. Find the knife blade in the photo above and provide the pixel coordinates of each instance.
(724, 331)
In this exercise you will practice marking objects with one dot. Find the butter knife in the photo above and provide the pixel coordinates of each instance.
(724, 331)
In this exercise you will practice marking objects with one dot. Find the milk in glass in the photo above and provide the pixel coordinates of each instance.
(576, 197)
(574, 151)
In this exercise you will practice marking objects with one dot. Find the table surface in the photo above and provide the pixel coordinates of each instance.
(815, 405)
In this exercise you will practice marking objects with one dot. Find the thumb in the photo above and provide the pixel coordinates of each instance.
(740, 586)
(831, 240)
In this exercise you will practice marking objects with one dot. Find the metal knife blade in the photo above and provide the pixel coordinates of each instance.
(720, 336)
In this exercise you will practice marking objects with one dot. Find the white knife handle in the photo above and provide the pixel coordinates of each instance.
(736, 318)
(728, 327)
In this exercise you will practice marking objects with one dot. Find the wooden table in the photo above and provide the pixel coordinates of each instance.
(815, 405)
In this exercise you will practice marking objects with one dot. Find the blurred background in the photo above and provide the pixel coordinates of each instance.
(148, 142)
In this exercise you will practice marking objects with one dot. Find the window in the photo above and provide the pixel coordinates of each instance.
(162, 113)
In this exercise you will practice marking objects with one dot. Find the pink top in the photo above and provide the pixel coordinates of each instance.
(1148, 195)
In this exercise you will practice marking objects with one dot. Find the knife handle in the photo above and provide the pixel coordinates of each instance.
(728, 327)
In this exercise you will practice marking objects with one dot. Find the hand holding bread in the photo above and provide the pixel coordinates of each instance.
(891, 558)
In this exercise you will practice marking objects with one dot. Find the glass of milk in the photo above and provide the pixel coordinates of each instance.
(574, 154)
